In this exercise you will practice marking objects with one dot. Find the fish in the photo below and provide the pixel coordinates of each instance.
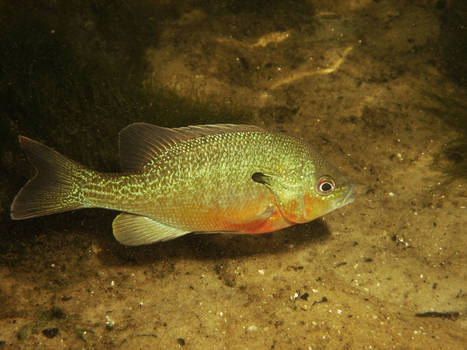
(204, 178)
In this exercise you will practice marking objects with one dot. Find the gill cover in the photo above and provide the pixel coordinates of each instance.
(288, 194)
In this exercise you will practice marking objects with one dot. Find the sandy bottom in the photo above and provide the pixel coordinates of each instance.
(364, 81)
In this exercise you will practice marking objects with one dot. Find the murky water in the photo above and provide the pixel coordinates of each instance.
(377, 86)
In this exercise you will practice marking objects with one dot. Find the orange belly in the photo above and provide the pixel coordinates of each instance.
(272, 223)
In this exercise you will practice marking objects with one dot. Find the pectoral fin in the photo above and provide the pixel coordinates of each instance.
(133, 230)
(262, 216)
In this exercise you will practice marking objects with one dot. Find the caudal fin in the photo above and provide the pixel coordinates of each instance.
(53, 189)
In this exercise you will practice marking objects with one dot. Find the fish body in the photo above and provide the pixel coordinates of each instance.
(209, 178)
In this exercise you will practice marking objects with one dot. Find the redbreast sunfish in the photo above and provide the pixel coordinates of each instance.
(206, 178)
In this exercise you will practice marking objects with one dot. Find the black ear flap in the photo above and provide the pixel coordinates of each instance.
(260, 178)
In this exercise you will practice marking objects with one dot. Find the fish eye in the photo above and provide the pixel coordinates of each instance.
(326, 185)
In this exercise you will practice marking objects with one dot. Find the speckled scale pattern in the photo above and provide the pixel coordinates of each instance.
(199, 183)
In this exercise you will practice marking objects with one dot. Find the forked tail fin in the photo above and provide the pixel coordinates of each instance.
(54, 188)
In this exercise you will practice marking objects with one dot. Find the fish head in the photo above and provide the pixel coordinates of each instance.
(309, 190)
(327, 189)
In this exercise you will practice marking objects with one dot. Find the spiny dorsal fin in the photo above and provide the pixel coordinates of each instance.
(141, 142)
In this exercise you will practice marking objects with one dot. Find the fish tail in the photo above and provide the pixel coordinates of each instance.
(55, 186)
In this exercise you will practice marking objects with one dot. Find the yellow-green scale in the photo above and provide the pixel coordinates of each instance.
(199, 183)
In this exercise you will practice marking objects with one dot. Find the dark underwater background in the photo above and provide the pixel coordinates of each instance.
(379, 87)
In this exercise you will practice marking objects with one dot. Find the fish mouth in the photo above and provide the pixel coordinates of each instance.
(348, 198)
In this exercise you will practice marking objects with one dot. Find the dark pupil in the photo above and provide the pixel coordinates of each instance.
(326, 187)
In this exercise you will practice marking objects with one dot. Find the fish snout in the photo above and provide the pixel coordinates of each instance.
(348, 197)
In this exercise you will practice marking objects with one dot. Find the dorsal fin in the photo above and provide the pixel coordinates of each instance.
(141, 142)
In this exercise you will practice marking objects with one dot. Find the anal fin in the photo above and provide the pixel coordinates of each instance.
(134, 230)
